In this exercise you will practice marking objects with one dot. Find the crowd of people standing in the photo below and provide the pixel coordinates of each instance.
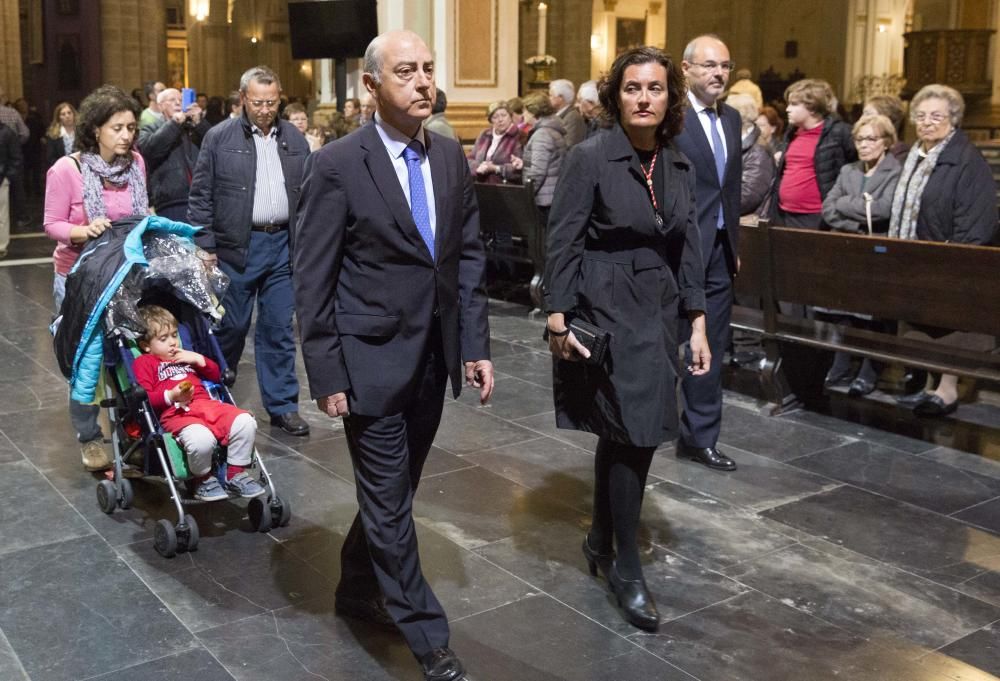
(641, 180)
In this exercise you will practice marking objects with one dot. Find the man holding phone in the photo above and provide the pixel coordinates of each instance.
(170, 149)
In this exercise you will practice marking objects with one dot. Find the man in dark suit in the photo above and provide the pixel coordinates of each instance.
(388, 269)
(711, 140)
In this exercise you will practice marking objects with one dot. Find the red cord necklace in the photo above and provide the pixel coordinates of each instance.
(649, 183)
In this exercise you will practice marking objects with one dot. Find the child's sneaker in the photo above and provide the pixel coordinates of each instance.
(245, 486)
(210, 490)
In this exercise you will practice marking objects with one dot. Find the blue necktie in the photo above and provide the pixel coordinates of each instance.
(418, 195)
(720, 159)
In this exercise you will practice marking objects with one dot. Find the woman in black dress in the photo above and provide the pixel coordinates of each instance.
(624, 255)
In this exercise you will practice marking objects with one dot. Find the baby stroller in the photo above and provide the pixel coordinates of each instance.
(159, 266)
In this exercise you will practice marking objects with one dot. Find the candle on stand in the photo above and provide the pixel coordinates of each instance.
(543, 10)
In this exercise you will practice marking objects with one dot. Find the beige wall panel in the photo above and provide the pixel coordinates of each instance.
(476, 43)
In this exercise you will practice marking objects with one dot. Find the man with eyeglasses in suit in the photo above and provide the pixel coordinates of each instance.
(244, 193)
(712, 141)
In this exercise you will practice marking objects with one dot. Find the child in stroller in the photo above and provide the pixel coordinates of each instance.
(171, 377)
(152, 261)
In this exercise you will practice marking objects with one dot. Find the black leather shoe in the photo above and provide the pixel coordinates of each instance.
(833, 380)
(935, 406)
(596, 560)
(709, 456)
(747, 358)
(371, 610)
(913, 399)
(291, 423)
(861, 386)
(441, 664)
(635, 601)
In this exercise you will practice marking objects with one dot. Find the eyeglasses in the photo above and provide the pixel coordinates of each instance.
(261, 103)
(933, 118)
(727, 66)
(870, 140)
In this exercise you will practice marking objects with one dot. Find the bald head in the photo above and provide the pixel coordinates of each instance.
(707, 66)
(399, 74)
(167, 94)
(691, 51)
(390, 40)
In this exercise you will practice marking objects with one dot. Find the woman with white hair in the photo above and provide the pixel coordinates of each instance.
(758, 166)
(946, 192)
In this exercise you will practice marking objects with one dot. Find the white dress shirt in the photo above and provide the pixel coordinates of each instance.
(395, 142)
(706, 122)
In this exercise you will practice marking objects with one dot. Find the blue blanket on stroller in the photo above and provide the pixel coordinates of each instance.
(90, 286)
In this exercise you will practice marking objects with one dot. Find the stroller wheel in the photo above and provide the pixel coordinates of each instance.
(281, 512)
(260, 514)
(165, 539)
(127, 494)
(187, 534)
(107, 496)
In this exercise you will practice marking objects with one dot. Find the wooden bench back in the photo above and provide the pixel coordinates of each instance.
(510, 209)
(948, 285)
(507, 209)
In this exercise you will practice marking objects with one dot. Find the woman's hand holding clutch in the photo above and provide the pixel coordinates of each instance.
(562, 343)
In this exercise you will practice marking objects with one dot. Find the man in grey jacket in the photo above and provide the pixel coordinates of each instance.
(170, 148)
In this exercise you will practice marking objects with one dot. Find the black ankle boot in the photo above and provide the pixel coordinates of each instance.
(635, 600)
(596, 560)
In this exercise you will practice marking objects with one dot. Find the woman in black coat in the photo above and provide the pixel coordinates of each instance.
(624, 255)
(946, 192)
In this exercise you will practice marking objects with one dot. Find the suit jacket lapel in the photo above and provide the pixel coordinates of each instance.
(693, 124)
(386, 182)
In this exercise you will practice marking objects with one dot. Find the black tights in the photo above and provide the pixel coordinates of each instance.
(619, 479)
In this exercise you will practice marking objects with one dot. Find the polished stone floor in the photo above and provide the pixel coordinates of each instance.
(837, 551)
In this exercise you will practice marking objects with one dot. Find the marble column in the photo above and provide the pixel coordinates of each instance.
(10, 50)
(210, 65)
(995, 96)
(874, 46)
(133, 42)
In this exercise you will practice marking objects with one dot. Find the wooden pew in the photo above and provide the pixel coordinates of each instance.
(944, 285)
(510, 209)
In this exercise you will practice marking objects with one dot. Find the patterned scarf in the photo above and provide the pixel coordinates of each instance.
(906, 201)
(122, 171)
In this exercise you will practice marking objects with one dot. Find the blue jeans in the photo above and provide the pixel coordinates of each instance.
(82, 416)
(266, 280)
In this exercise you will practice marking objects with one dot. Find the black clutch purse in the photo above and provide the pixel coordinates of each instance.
(594, 338)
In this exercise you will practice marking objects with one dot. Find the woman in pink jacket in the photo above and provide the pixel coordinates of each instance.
(103, 180)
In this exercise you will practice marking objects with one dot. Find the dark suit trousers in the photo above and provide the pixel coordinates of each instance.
(702, 395)
(380, 551)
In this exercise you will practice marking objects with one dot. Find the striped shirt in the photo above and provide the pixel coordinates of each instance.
(270, 201)
(10, 117)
